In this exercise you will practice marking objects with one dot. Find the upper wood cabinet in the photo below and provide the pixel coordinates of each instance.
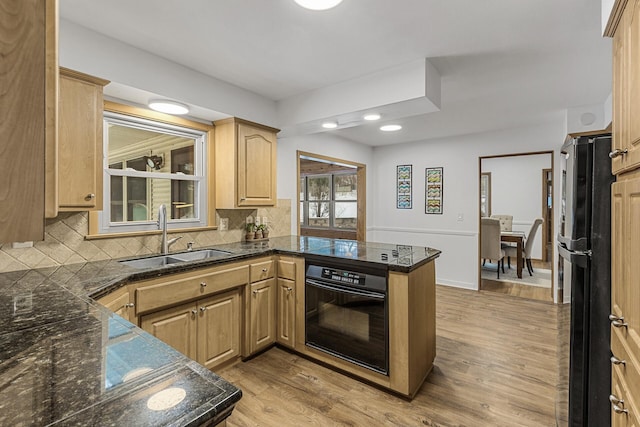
(80, 152)
(626, 88)
(28, 101)
(245, 159)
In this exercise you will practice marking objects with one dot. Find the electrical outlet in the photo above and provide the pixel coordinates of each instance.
(249, 219)
(257, 220)
(224, 224)
(460, 217)
(264, 220)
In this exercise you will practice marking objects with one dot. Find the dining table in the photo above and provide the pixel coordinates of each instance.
(516, 237)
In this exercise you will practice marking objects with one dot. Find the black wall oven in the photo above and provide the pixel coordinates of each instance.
(346, 312)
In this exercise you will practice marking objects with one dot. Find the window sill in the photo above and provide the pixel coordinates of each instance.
(147, 233)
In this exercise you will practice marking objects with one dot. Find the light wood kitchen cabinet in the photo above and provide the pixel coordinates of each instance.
(219, 329)
(28, 101)
(245, 159)
(290, 278)
(80, 152)
(207, 330)
(120, 303)
(262, 316)
(626, 88)
(625, 292)
(175, 326)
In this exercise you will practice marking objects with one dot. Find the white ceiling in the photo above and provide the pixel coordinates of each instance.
(503, 63)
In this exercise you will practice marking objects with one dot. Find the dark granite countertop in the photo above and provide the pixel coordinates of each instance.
(66, 360)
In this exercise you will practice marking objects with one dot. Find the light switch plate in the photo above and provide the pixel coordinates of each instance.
(224, 224)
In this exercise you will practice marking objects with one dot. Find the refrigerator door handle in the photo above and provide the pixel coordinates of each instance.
(573, 245)
(578, 258)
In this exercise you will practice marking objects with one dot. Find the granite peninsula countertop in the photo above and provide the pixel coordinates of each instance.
(66, 360)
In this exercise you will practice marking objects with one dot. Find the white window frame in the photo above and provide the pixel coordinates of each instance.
(199, 176)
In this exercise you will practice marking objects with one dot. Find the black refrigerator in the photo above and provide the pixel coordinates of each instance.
(584, 245)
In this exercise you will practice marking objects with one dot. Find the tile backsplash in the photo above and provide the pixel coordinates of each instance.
(65, 242)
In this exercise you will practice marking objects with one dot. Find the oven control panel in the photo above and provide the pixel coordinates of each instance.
(343, 276)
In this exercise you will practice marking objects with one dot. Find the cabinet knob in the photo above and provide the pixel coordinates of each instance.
(616, 361)
(194, 312)
(129, 305)
(255, 292)
(619, 410)
(617, 152)
(203, 284)
(203, 309)
(264, 270)
(90, 196)
(289, 289)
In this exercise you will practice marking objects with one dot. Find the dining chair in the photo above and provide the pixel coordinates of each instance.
(490, 242)
(506, 222)
(528, 246)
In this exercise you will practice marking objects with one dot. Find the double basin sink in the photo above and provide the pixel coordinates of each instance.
(162, 260)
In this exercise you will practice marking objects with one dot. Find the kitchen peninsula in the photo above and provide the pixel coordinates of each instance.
(64, 358)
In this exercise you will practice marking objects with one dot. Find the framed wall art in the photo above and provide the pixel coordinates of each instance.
(403, 189)
(433, 190)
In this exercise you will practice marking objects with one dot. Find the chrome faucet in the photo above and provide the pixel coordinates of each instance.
(162, 225)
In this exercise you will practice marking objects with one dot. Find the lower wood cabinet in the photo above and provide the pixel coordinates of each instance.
(262, 317)
(285, 327)
(207, 330)
(119, 301)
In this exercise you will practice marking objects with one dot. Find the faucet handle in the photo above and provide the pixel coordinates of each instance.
(189, 246)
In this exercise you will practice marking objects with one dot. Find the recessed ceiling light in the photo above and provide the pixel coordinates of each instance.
(169, 107)
(330, 125)
(372, 117)
(318, 4)
(390, 128)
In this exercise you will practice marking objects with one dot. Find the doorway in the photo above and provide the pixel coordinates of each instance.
(331, 197)
(517, 206)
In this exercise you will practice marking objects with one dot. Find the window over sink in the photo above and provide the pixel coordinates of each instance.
(150, 162)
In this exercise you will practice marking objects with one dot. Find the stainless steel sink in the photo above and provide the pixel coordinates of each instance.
(201, 254)
(163, 260)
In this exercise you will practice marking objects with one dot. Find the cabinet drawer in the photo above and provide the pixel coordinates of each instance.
(629, 370)
(169, 290)
(287, 269)
(261, 271)
(620, 390)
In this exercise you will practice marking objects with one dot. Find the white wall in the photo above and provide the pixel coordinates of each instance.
(85, 50)
(324, 144)
(516, 189)
(458, 240)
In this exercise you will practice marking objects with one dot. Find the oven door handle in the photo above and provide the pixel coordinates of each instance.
(360, 293)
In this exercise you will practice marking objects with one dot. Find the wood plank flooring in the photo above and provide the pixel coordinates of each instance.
(496, 365)
(519, 289)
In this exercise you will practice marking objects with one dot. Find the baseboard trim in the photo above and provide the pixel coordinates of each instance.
(456, 284)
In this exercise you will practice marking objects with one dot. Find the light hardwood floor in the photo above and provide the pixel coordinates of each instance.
(497, 364)
(518, 289)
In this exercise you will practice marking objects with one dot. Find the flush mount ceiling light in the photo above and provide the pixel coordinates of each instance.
(330, 125)
(390, 128)
(318, 4)
(169, 107)
(372, 117)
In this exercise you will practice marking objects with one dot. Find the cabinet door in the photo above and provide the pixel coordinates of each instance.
(624, 413)
(27, 105)
(262, 317)
(256, 166)
(630, 286)
(618, 243)
(80, 142)
(219, 328)
(626, 88)
(120, 303)
(175, 326)
(620, 106)
(286, 312)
